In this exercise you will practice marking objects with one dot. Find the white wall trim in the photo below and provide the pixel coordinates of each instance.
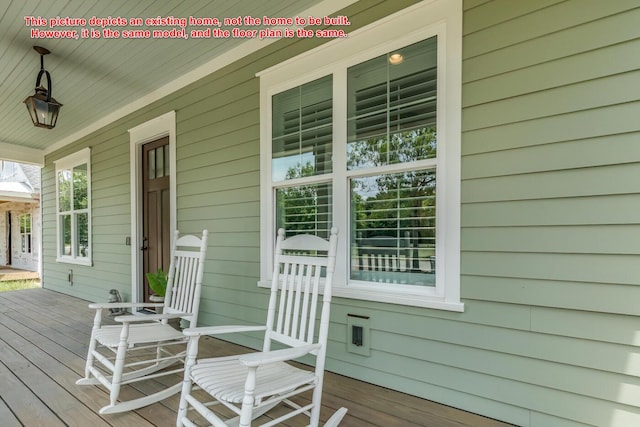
(19, 154)
(151, 130)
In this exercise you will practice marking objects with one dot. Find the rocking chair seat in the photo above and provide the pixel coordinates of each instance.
(143, 347)
(109, 336)
(252, 384)
(224, 378)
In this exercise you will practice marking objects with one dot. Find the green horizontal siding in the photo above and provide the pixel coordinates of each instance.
(559, 156)
(549, 207)
(595, 268)
(538, 57)
(607, 121)
(573, 295)
(525, 23)
(603, 209)
(601, 180)
(579, 239)
(550, 202)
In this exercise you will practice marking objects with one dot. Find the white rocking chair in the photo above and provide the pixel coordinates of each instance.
(146, 344)
(250, 385)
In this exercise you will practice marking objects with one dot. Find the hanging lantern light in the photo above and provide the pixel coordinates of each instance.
(42, 107)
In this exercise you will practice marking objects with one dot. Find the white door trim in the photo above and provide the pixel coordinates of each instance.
(161, 126)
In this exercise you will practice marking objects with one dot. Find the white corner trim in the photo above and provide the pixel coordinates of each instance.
(326, 7)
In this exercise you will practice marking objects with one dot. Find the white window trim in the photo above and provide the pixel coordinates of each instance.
(423, 20)
(159, 127)
(69, 162)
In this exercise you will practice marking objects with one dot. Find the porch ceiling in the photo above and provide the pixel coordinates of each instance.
(100, 80)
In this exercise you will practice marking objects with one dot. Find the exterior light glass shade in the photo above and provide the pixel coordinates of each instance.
(42, 107)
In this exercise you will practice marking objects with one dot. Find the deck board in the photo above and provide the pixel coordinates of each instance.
(43, 343)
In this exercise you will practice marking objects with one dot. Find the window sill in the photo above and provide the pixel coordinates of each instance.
(415, 299)
(65, 260)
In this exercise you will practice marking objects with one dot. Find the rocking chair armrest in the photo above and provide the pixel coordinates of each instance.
(263, 358)
(102, 305)
(218, 330)
(131, 318)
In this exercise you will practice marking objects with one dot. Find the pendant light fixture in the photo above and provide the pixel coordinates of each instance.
(42, 107)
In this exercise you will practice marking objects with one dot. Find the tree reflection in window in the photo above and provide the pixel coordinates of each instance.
(73, 203)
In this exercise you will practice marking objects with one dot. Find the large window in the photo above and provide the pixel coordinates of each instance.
(73, 201)
(369, 141)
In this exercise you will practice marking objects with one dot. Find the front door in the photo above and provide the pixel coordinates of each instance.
(156, 238)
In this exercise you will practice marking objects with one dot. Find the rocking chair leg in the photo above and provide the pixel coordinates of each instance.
(182, 408)
(97, 321)
(246, 413)
(92, 347)
(119, 366)
(314, 418)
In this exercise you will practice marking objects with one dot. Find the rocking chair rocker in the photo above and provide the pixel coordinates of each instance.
(250, 385)
(145, 345)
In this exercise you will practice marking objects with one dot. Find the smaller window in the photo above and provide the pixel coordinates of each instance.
(25, 233)
(73, 190)
(302, 131)
(393, 216)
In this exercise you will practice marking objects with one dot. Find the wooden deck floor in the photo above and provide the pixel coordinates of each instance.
(43, 344)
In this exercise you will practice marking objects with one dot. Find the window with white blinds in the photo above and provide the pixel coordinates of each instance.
(393, 223)
(391, 105)
(302, 128)
(363, 134)
(304, 209)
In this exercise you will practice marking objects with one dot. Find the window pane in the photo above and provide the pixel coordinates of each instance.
(151, 164)
(64, 190)
(82, 235)
(304, 209)
(80, 187)
(392, 107)
(65, 235)
(25, 223)
(393, 228)
(159, 162)
(302, 130)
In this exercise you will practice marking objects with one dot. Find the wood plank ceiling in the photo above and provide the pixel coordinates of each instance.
(95, 77)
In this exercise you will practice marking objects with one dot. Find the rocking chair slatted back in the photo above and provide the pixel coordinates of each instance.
(184, 283)
(298, 277)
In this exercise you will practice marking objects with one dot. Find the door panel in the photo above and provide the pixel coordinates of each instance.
(155, 209)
